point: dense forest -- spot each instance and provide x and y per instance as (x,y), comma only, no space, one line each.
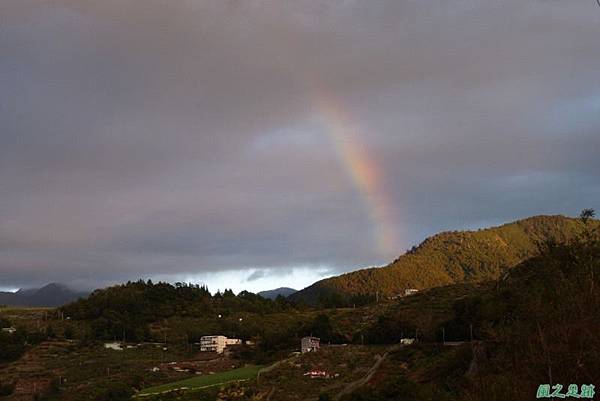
(126,311)
(540,324)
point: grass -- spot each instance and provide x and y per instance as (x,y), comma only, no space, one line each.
(245,373)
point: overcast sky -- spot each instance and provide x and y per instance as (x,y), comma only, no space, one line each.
(261,143)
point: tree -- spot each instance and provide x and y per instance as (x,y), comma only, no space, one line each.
(321,327)
(69,333)
(587,214)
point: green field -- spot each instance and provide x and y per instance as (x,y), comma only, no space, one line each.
(245,373)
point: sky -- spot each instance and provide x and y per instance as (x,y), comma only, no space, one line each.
(252,144)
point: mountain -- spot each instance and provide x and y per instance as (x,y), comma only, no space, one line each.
(451,257)
(53,294)
(272,294)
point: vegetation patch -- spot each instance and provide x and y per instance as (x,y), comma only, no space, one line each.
(196,383)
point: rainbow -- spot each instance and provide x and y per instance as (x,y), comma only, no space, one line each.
(364,172)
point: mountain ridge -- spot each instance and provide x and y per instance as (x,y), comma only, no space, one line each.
(50,295)
(273,294)
(451,257)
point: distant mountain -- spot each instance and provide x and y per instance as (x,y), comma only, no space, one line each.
(451,257)
(272,294)
(53,294)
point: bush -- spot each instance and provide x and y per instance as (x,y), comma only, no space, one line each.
(69,333)
(116,392)
(50,332)
(13,346)
(6,389)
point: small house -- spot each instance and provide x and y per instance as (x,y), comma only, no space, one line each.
(115,346)
(410,291)
(310,344)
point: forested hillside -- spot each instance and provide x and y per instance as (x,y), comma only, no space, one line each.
(537,324)
(126,311)
(448,258)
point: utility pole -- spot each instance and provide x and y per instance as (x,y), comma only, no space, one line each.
(471,330)
(443,336)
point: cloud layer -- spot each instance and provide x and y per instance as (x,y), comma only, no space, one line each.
(183,140)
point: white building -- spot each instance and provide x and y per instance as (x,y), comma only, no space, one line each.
(9,330)
(407,341)
(410,291)
(310,344)
(217,343)
(116,346)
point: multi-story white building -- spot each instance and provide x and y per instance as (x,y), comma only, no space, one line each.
(217,343)
(310,344)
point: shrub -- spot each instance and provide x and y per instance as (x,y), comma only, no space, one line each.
(116,392)
(6,389)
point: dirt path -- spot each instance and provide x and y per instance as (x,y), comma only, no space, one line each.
(478,357)
(364,380)
(274,365)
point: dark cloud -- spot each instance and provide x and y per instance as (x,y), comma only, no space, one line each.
(182,140)
(255,275)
